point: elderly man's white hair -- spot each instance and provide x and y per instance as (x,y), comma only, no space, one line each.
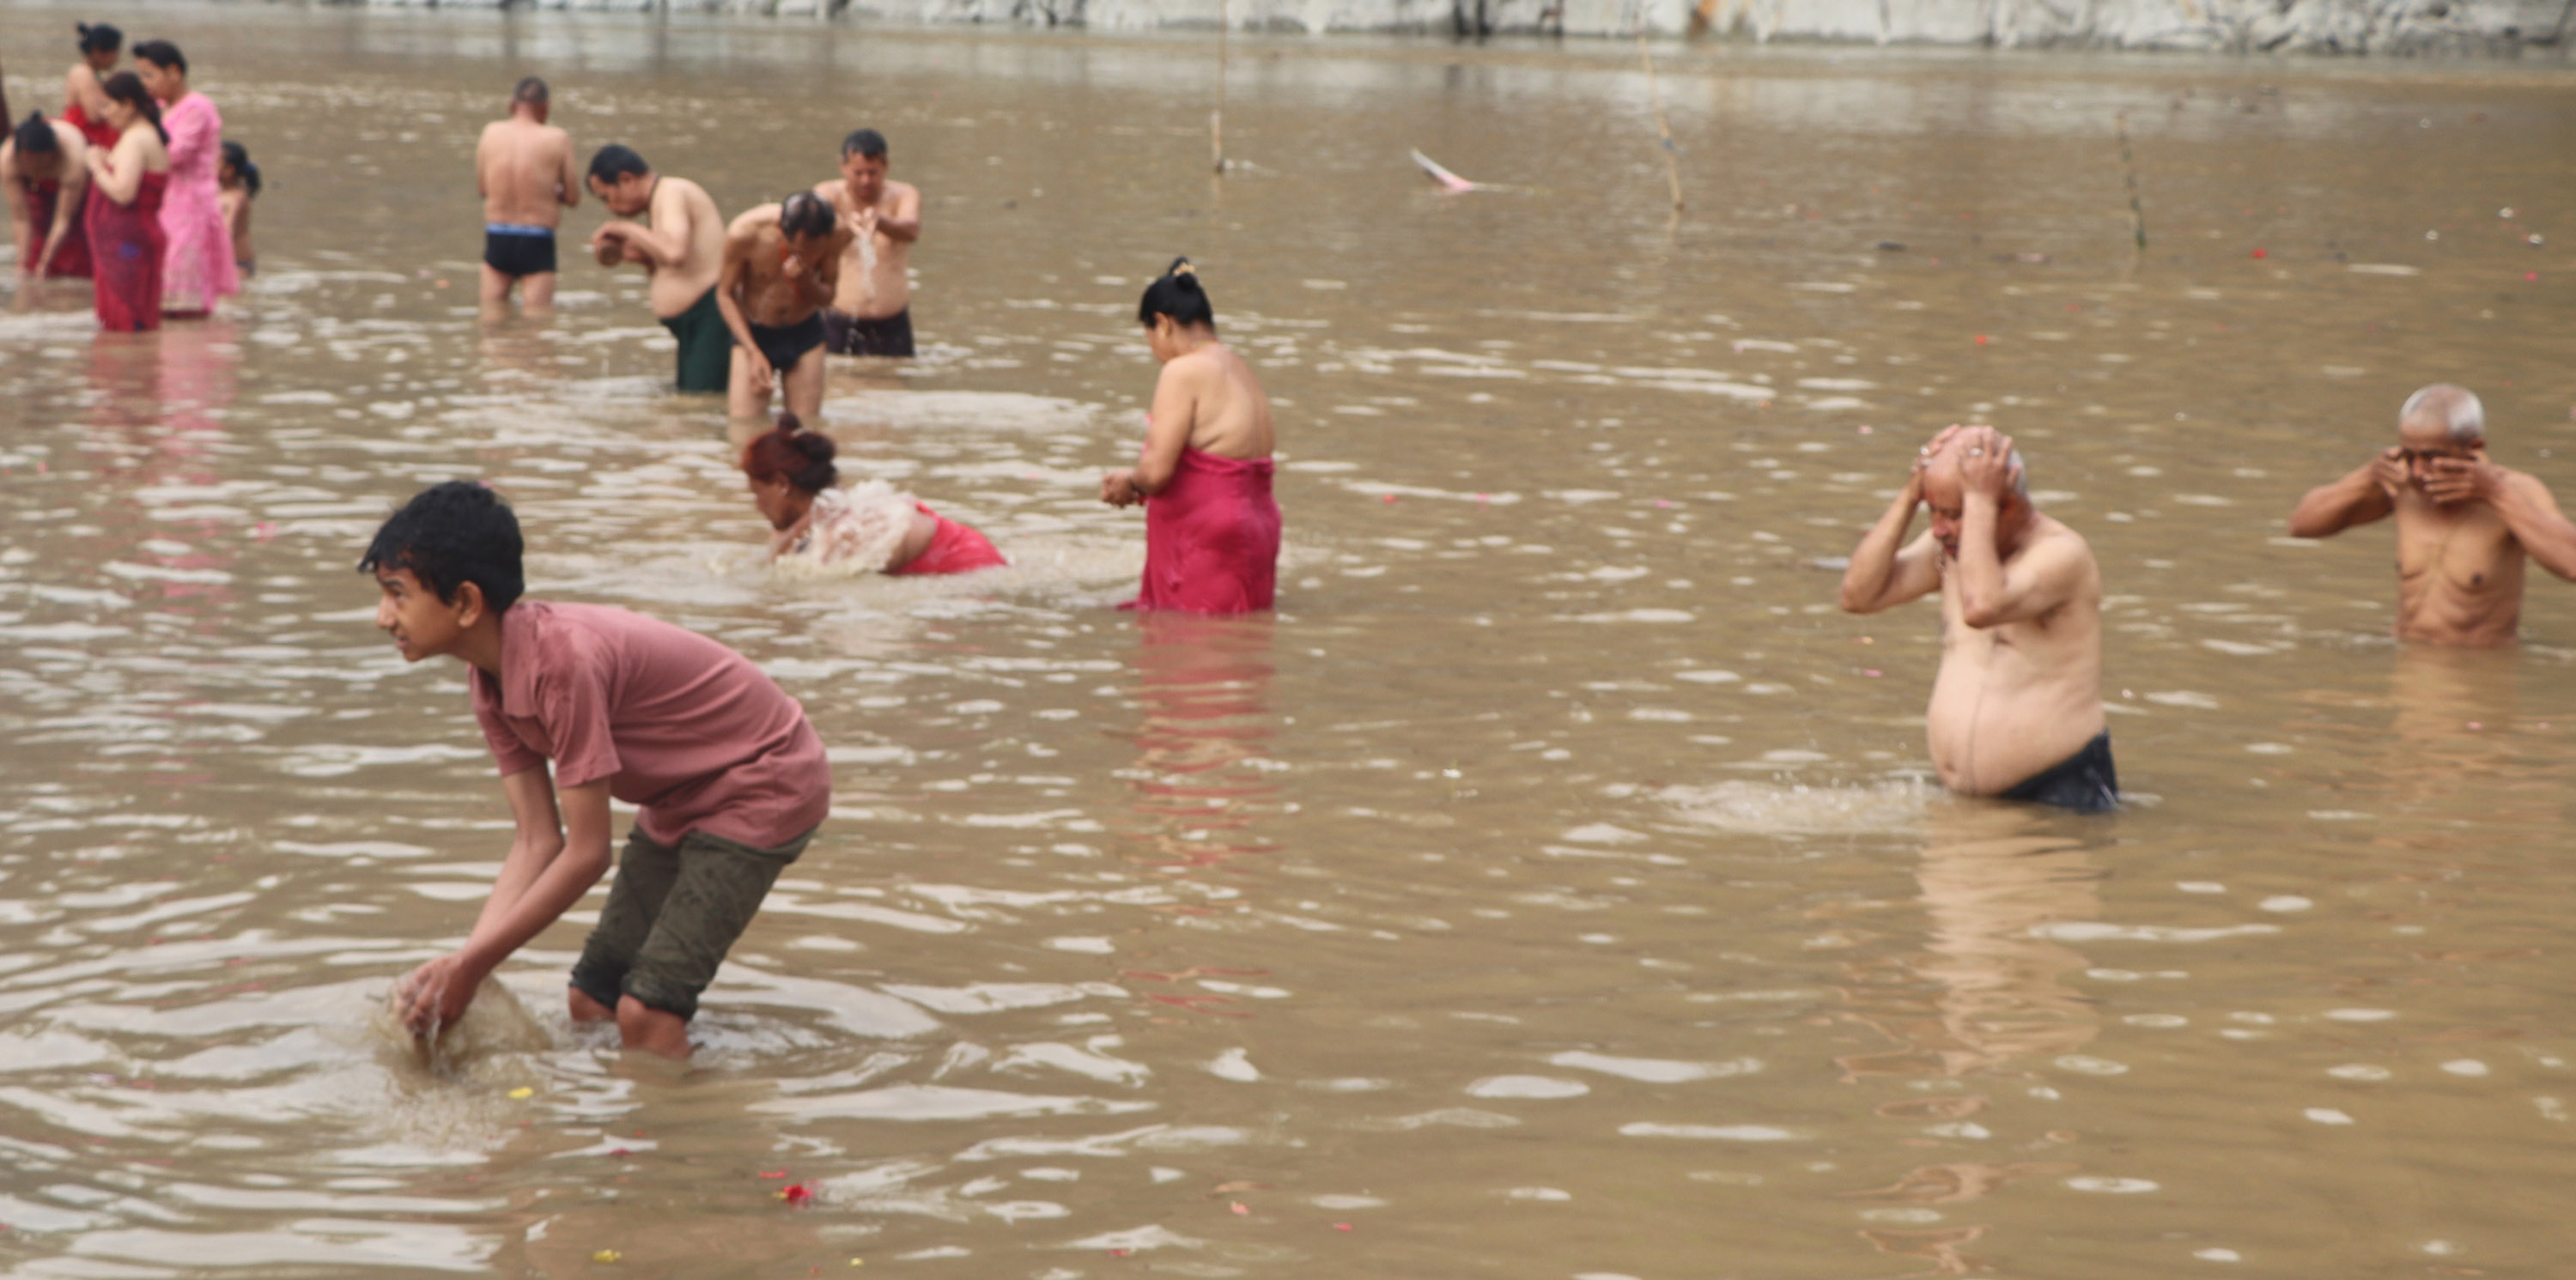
(2456,407)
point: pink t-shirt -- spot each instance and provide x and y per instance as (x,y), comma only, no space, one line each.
(678,724)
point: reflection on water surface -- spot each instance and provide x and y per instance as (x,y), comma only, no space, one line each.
(1551,887)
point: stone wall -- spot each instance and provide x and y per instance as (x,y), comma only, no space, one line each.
(2542,28)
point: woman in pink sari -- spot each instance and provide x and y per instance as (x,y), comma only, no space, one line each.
(1211,526)
(124,216)
(199,268)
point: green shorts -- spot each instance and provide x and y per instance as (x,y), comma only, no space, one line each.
(706,345)
(672,914)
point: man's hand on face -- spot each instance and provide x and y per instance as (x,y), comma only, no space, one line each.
(2389,470)
(1985,462)
(792,266)
(2449,480)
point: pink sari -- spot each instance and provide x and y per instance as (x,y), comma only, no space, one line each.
(199,267)
(1211,538)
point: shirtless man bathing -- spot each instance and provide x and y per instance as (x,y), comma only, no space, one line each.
(2464,524)
(523,169)
(782,262)
(682,251)
(2017,707)
(871,311)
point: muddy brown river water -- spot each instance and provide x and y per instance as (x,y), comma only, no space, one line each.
(1552,888)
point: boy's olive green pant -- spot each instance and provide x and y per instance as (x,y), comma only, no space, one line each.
(672,914)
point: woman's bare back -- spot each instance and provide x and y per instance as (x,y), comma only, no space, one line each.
(1229,412)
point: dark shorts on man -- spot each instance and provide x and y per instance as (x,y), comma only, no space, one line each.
(515,250)
(672,913)
(787,344)
(706,345)
(849,335)
(2085,782)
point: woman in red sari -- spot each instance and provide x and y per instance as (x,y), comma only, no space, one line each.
(44,172)
(84,95)
(1211,525)
(822,528)
(126,242)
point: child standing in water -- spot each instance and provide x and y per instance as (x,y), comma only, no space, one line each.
(1211,526)
(730,778)
(237,184)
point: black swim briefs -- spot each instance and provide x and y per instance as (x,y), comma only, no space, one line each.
(516,251)
(787,344)
(848,335)
(2085,782)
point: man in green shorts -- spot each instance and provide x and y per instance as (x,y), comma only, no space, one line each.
(730,778)
(682,250)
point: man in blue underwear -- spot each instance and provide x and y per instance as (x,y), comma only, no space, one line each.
(523,168)
(782,263)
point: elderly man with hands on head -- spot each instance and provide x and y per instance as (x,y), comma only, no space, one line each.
(2016,710)
(2464,524)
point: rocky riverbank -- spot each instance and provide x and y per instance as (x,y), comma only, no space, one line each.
(2537,28)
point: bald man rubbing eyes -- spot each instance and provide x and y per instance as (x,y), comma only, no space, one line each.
(2464,524)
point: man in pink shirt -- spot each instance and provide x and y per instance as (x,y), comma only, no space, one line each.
(730,777)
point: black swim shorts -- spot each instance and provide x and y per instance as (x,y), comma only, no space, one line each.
(848,335)
(787,344)
(518,251)
(2085,782)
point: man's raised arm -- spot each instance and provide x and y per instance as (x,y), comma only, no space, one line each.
(2368,493)
(904,223)
(665,244)
(2523,501)
(2040,579)
(1883,572)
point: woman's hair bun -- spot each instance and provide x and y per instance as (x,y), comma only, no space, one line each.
(1176,293)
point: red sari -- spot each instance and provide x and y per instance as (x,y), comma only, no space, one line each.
(126,246)
(99,132)
(44,204)
(1211,537)
(954,549)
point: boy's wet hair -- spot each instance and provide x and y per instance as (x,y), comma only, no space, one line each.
(616,160)
(34,135)
(162,54)
(238,156)
(98,37)
(805,214)
(1177,293)
(532,91)
(864,142)
(451,534)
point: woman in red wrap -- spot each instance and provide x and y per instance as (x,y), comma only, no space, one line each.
(84,86)
(44,172)
(870,527)
(126,242)
(1211,526)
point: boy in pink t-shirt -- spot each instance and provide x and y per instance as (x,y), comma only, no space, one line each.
(730,778)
